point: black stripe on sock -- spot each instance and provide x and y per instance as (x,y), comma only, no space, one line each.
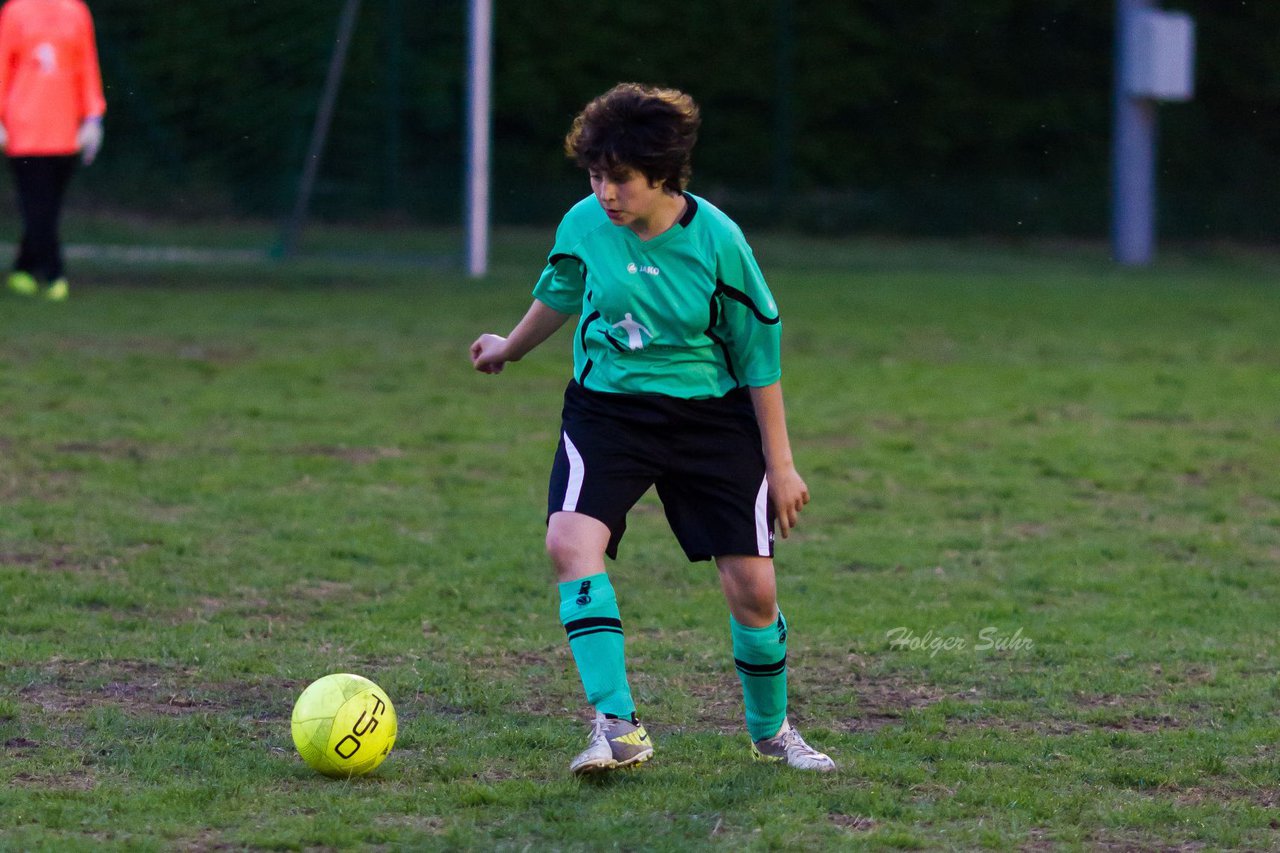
(592,622)
(596,631)
(761,669)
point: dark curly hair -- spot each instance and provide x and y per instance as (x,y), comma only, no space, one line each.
(633,127)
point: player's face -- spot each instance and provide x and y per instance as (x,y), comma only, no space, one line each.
(628,199)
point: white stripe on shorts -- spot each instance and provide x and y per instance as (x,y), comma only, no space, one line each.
(576,469)
(762,518)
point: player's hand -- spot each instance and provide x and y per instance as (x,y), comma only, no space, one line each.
(789,495)
(4,138)
(89,139)
(489,353)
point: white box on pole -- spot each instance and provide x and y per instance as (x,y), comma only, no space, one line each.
(1161,57)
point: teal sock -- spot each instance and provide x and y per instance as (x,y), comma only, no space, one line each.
(589,613)
(760,654)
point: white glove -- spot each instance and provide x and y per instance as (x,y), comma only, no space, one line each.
(89,139)
(4,138)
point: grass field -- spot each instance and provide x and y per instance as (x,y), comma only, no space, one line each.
(1033,603)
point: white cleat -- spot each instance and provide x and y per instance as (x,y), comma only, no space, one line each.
(614,744)
(788,746)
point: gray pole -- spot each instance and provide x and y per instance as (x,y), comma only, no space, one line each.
(1133,152)
(395,103)
(784,107)
(320,131)
(479,73)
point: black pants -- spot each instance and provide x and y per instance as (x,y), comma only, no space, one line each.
(42,184)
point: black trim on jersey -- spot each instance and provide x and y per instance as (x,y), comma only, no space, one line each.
(619,347)
(591,318)
(724,347)
(691,207)
(738,296)
(560,256)
(761,669)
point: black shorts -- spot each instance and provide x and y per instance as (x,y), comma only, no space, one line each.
(704,457)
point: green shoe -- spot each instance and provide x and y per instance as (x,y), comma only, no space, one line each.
(23,283)
(58,291)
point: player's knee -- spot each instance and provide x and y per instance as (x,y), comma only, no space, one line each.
(758,602)
(759,610)
(566,552)
(576,545)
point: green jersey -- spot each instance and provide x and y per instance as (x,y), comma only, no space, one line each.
(686,314)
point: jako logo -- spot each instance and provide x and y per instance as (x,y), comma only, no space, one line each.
(46,57)
(647,269)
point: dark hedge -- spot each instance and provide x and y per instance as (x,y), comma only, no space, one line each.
(932,116)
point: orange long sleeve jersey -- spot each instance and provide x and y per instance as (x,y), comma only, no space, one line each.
(49,77)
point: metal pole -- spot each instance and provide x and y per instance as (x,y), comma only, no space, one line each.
(479,75)
(784,106)
(320,131)
(1133,152)
(395,103)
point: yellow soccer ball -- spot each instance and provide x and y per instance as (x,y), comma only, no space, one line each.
(343,725)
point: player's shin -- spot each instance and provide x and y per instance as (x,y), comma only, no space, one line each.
(589,613)
(760,656)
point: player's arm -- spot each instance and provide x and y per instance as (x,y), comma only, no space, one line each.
(786,488)
(91,97)
(490,353)
(89,136)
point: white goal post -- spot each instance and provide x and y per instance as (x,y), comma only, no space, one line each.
(479,85)
(478,109)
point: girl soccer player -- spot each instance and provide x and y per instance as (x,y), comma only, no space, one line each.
(676,384)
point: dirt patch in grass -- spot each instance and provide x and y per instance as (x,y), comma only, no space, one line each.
(422,823)
(1036,841)
(883,701)
(214,354)
(74,780)
(1058,727)
(1258,795)
(63,559)
(1117,713)
(852,823)
(104,449)
(321,590)
(42,486)
(831,690)
(145,698)
(1145,722)
(867,701)
(354,455)
(141,688)
(825,690)
(200,842)
(1139,844)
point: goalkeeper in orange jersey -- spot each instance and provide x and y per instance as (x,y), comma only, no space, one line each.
(51,107)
